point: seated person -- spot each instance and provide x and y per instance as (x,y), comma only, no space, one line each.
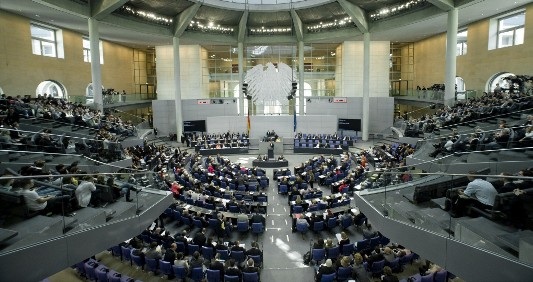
(479,193)
(41,204)
(326,268)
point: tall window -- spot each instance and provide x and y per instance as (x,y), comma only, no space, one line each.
(461,42)
(511,30)
(87,51)
(43,41)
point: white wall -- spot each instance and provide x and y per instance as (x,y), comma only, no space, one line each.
(164,116)
(349,72)
(193,69)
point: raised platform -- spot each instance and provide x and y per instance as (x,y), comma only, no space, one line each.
(270,163)
(334,151)
(224,151)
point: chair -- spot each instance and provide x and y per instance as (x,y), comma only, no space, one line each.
(318,226)
(263,183)
(101,274)
(90,270)
(166,268)
(125,278)
(347,249)
(258,260)
(126,254)
(212,275)
(138,261)
(198,223)
(440,276)
(328,277)
(180,247)
(332,223)
(197,274)
(207,253)
(238,256)
(224,254)
(374,241)
(115,277)
(262,199)
(228,278)
(395,265)
(302,228)
(318,255)
(151,265)
(252,188)
(213,223)
(377,268)
(242,226)
(283,189)
(333,252)
(257,228)
(116,251)
(180,272)
(406,259)
(362,245)
(250,277)
(344,274)
(193,248)
(297,209)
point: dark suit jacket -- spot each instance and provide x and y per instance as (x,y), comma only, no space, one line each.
(217,265)
(199,239)
(233,272)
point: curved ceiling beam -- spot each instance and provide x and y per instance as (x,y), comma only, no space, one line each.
(184,18)
(66,6)
(445,5)
(298,26)
(100,9)
(242,26)
(357,14)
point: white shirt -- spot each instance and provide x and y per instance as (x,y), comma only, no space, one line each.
(83,193)
(30,196)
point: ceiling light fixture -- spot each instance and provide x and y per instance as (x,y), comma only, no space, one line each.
(396,9)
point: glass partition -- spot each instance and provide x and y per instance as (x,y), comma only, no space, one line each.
(438,197)
(41,202)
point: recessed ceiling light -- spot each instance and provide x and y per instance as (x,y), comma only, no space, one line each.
(37,15)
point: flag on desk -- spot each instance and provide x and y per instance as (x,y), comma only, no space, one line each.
(248,123)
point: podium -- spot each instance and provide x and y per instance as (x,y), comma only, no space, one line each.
(270,153)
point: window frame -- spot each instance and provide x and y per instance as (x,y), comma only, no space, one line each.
(87,50)
(500,31)
(462,46)
(54,41)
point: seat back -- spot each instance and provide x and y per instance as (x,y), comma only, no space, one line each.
(212,275)
(197,274)
(151,264)
(126,253)
(333,252)
(224,254)
(318,226)
(179,271)
(440,276)
(250,277)
(332,222)
(238,256)
(344,273)
(193,248)
(377,267)
(328,277)
(348,249)
(257,227)
(318,255)
(165,267)
(242,226)
(101,274)
(207,252)
(258,261)
(228,278)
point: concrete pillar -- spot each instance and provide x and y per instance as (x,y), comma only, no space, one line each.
(96,69)
(177,85)
(301,81)
(366,86)
(451,53)
(240,46)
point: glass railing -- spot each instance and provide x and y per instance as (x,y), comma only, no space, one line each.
(114,99)
(50,204)
(434,95)
(435,196)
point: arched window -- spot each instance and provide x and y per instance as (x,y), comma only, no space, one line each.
(236,95)
(308,91)
(461,87)
(499,79)
(89,93)
(51,88)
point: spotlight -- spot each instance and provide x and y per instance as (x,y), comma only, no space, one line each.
(249,97)
(290,97)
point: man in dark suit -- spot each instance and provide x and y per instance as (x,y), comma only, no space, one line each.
(216,264)
(199,238)
(254,250)
(257,218)
(170,254)
(237,247)
(233,270)
(250,267)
